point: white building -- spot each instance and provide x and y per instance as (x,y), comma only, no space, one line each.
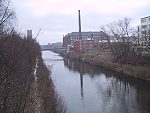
(144,30)
(145,24)
(144,36)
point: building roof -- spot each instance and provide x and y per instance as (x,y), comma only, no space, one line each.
(86,33)
(145,17)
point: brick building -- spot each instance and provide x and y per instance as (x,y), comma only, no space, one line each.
(66,41)
(96,36)
(82,45)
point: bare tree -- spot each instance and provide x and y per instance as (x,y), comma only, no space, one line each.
(123,35)
(18,91)
(121,30)
(7,17)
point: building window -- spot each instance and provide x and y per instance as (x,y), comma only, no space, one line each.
(148,32)
(143,32)
(144,26)
(143,20)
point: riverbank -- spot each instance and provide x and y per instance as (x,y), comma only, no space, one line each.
(104,58)
(21,90)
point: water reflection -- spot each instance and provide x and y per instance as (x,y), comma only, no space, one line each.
(115,93)
(81,81)
(78,66)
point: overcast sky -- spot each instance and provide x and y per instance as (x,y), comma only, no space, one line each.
(56,18)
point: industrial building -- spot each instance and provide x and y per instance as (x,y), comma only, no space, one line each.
(96,36)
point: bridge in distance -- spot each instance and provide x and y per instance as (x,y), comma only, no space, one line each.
(52,48)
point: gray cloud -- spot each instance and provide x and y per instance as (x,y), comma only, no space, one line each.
(55,25)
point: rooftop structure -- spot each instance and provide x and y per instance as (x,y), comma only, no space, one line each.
(29,33)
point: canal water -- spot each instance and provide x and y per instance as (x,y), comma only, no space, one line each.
(90,89)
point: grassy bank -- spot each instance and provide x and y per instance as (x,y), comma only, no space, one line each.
(104,58)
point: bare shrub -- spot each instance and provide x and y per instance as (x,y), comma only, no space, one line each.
(18,92)
(123,35)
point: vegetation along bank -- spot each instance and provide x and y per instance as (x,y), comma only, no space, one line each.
(133,65)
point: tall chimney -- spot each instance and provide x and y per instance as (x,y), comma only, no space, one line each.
(80,35)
